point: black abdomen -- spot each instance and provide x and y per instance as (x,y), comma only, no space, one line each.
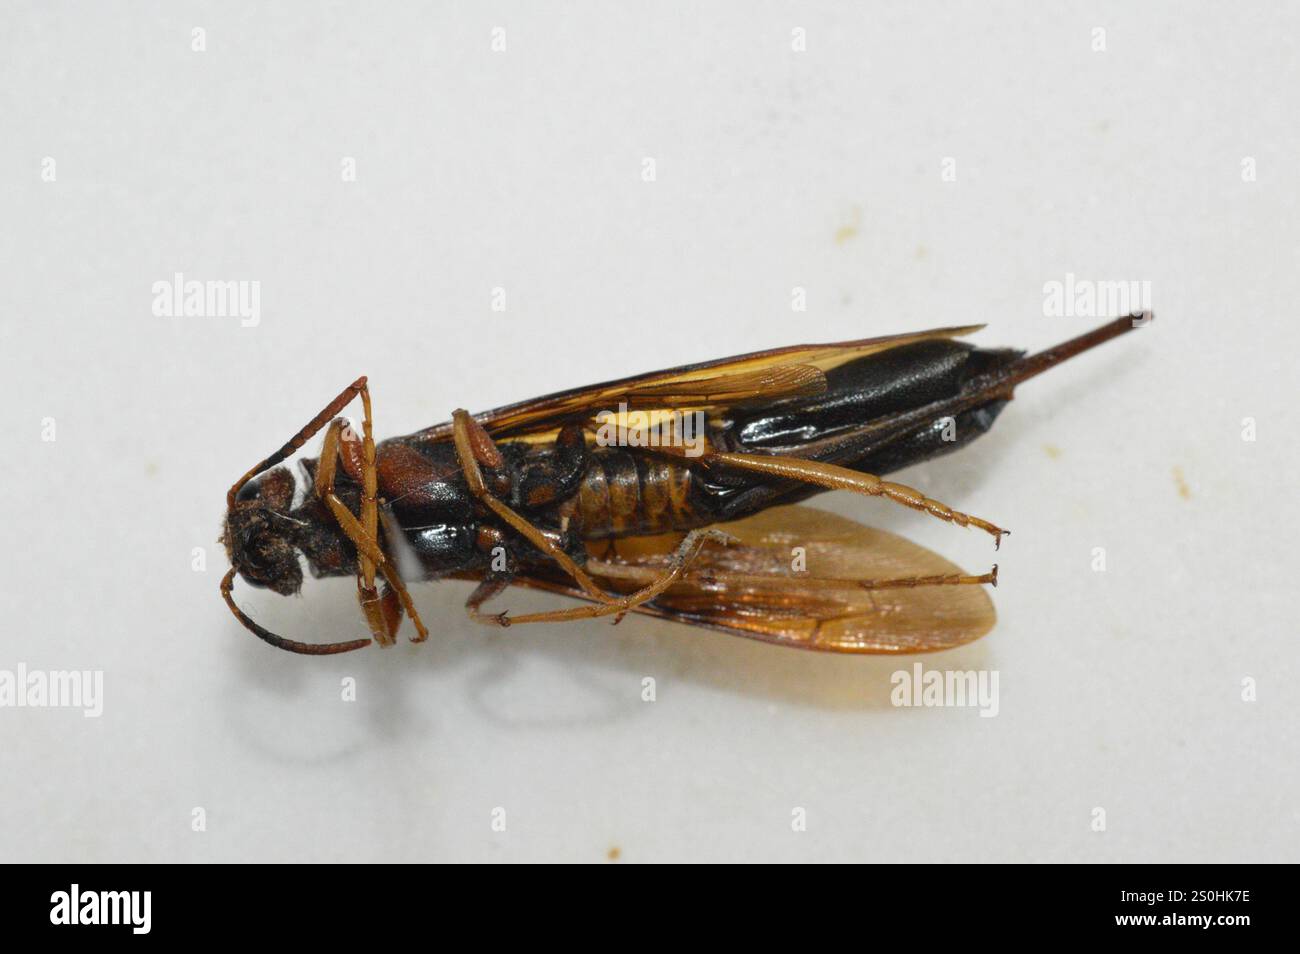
(879,413)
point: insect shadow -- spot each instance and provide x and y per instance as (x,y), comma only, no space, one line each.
(588,673)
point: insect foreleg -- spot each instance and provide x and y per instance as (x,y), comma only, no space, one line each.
(366,591)
(382,620)
(327,466)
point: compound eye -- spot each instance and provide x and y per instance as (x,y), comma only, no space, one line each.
(274,488)
(252,581)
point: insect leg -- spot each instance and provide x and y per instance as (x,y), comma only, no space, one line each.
(486,590)
(834,477)
(366,591)
(367,549)
(390,604)
(678,564)
(304,435)
(367,545)
(474,446)
(332,449)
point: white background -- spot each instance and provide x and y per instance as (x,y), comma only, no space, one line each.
(775,169)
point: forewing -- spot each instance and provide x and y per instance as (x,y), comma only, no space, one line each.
(761,375)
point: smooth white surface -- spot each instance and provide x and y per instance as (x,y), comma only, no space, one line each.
(522,169)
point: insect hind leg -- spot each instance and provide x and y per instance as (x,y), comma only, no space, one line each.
(686,553)
(835,477)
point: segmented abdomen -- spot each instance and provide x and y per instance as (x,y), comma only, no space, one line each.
(628,494)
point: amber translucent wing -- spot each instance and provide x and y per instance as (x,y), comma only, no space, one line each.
(769,383)
(765,375)
(753,588)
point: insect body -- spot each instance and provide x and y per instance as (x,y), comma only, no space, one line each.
(687,513)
